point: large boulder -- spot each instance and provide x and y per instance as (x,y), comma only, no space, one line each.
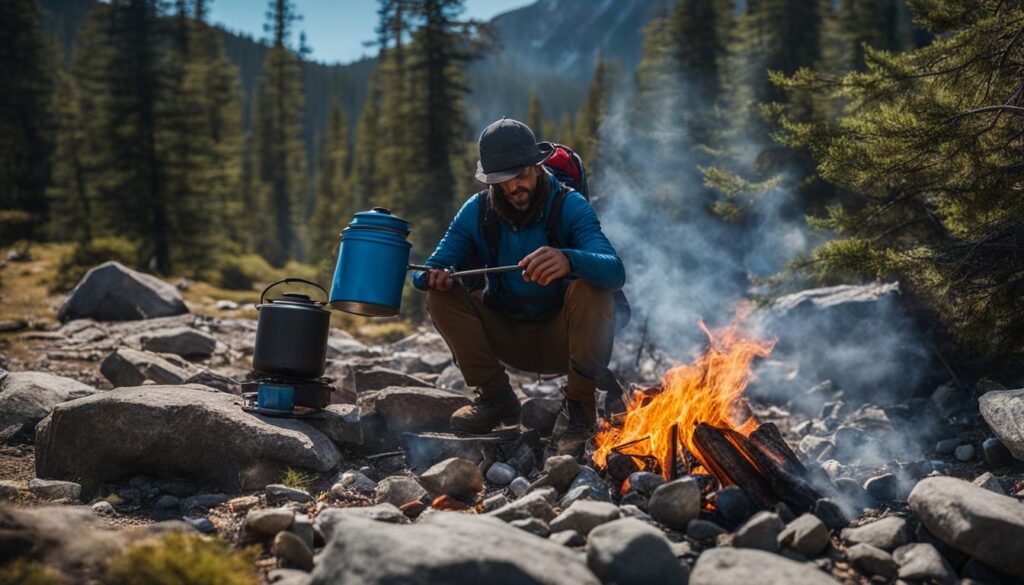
(192,430)
(131,367)
(27,397)
(859,336)
(446,547)
(1004,412)
(728,566)
(628,550)
(184,341)
(113,292)
(987,526)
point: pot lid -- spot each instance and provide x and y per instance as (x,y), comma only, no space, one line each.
(294,291)
(379,218)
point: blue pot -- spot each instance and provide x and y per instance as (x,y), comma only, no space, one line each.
(372,264)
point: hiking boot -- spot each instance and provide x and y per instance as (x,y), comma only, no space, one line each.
(575,425)
(490,409)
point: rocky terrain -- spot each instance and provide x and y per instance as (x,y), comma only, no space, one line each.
(123,424)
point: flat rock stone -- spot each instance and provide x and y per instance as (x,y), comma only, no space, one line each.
(327,521)
(989,482)
(368,380)
(806,535)
(197,432)
(268,522)
(184,341)
(532,505)
(279,494)
(886,534)
(398,490)
(445,547)
(1003,410)
(987,526)
(203,501)
(113,292)
(130,367)
(27,397)
(401,409)
(628,551)
(533,526)
(760,532)
(919,561)
(340,423)
(49,489)
(454,477)
(872,560)
(729,566)
(494,502)
(584,515)
(207,377)
(675,503)
(569,538)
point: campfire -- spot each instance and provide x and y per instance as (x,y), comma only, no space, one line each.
(696,421)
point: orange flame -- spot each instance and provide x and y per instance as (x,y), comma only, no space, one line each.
(706,391)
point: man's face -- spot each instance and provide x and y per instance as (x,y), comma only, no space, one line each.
(518,191)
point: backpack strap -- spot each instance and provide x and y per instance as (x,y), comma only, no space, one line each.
(490,228)
(555,216)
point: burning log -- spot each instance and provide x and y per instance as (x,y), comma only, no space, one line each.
(727,463)
(768,439)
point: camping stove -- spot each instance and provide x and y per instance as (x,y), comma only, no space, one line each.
(287,397)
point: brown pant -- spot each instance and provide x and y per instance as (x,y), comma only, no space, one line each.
(577,341)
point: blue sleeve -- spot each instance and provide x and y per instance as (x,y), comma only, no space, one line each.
(457,246)
(591,255)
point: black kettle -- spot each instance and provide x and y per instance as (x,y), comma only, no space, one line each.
(291,335)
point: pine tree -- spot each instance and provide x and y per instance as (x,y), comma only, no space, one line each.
(693,25)
(535,115)
(281,154)
(71,192)
(333,204)
(592,114)
(365,176)
(27,63)
(870,23)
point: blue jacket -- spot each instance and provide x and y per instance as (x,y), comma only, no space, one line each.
(591,255)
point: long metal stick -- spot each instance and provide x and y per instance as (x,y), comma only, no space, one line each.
(474,272)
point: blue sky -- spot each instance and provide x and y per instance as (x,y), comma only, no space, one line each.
(335,29)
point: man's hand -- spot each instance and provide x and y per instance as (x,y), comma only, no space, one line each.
(545,265)
(440,279)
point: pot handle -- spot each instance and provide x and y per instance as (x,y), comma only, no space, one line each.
(287,280)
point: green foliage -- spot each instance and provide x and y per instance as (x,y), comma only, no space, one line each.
(182,559)
(15,224)
(25,572)
(298,479)
(242,271)
(82,257)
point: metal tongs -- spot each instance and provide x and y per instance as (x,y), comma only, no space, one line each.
(474,272)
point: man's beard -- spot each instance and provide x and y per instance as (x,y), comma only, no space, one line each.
(516,216)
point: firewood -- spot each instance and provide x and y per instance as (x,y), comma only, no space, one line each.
(793,489)
(730,466)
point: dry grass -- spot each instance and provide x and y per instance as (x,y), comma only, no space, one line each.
(183,559)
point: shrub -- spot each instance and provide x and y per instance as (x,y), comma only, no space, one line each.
(182,559)
(25,572)
(73,266)
(294,478)
(15,225)
(243,271)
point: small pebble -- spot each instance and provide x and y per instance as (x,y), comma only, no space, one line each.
(501,473)
(104,508)
(964,452)
(519,486)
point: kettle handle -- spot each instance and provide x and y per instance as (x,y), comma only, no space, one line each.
(287,280)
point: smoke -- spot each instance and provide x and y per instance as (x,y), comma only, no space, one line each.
(684,263)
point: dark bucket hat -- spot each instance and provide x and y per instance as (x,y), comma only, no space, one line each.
(507,147)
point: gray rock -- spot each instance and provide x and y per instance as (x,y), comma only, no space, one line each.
(203,501)
(631,511)
(287,577)
(445,547)
(580,492)
(327,521)
(627,551)
(267,522)
(353,480)
(495,502)
(27,397)
(455,477)
(588,477)
(532,505)
(735,506)
(883,487)
(987,526)
(872,560)
(989,482)
(812,446)
(523,460)
(644,482)
(964,452)
(760,532)
(947,446)
(886,534)
(519,486)
(200,524)
(225,305)
(398,490)
(830,513)
(48,489)
(293,551)
(340,423)
(451,379)
(104,508)
(807,535)
(368,380)
(278,494)
(184,341)
(569,538)
(533,526)
(406,409)
(539,413)
(501,473)
(202,434)
(922,561)
(704,530)
(996,453)
(9,490)
(584,515)
(113,292)
(207,377)
(1003,410)
(729,566)
(559,471)
(675,503)
(130,367)
(167,502)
